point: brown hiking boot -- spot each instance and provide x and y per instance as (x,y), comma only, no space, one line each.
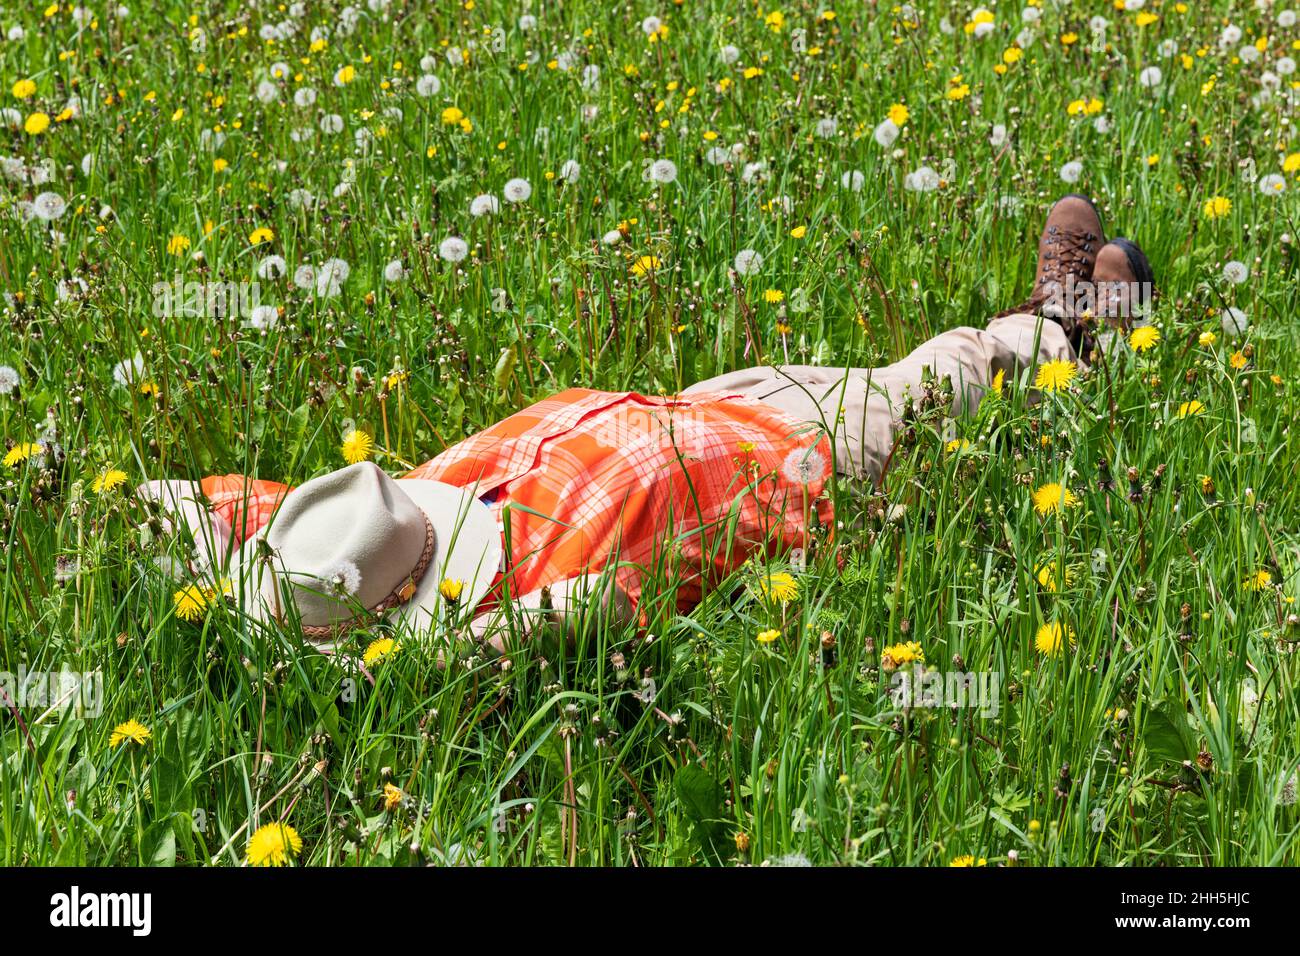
(1068,248)
(1123,283)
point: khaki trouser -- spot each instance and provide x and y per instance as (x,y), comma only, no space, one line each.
(872,399)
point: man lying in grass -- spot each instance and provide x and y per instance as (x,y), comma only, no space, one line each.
(580,495)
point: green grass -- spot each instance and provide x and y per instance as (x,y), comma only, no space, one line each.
(745,752)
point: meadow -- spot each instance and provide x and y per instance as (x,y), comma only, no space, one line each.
(266,237)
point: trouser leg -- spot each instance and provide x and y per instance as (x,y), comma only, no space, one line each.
(860,407)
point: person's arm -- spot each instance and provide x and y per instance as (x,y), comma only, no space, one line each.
(567,609)
(182,505)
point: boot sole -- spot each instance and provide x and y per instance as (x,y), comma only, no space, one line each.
(1139,263)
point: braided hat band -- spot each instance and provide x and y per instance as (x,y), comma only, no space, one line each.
(399,595)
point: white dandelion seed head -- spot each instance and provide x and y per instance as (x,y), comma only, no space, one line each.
(342,578)
(803,466)
(1101,125)
(453,249)
(128,370)
(570,171)
(662,171)
(1031,14)
(717,156)
(267,92)
(826,127)
(1098,24)
(1286,19)
(1234,322)
(304,277)
(9,379)
(651,25)
(272,267)
(729,54)
(1274,184)
(755,172)
(49,206)
(1236,272)
(484,204)
(1168,48)
(612,238)
(1151,77)
(982,30)
(590,76)
(748,262)
(263,317)
(1231,35)
(886,134)
(1071,171)
(304,97)
(428,85)
(1285,66)
(923,180)
(517,190)
(998,136)
(853,180)
(394,271)
(527,23)
(331,123)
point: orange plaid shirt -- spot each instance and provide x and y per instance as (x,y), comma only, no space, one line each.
(690,486)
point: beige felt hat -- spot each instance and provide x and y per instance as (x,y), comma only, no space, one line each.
(345,548)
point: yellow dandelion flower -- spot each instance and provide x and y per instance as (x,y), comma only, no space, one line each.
(451,116)
(274,844)
(899,114)
(798,232)
(107,480)
(379,649)
(1053,574)
(259,236)
(645,265)
(779,586)
(1216,207)
(957,444)
(1238,360)
(191,602)
(1194,407)
(36,124)
(392,796)
(1052,638)
(132,731)
(768,636)
(1055,375)
(450,589)
(773,296)
(968,860)
(1206,339)
(177,245)
(1260,580)
(357,446)
(1053,497)
(21,452)
(895,656)
(1143,338)
(25,88)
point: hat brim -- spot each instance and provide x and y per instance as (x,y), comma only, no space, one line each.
(467,548)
